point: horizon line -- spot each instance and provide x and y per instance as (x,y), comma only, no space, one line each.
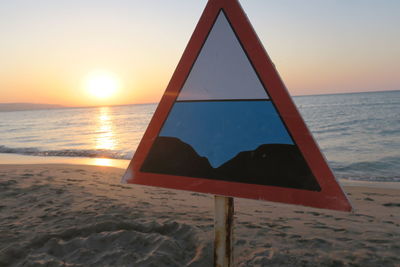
(60,106)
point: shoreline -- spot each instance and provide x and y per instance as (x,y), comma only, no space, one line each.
(373,184)
(17,159)
(94,164)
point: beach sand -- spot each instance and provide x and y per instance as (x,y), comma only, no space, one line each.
(75,215)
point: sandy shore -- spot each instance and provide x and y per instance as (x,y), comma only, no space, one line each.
(71,215)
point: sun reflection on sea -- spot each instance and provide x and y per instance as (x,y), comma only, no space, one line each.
(103,162)
(105,138)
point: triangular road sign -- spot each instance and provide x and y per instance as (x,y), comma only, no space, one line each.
(226,124)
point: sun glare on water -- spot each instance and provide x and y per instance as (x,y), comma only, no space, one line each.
(102,84)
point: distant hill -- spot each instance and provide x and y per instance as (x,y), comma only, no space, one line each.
(26,106)
(170,155)
(270,164)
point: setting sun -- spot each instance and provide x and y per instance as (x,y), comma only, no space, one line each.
(101,84)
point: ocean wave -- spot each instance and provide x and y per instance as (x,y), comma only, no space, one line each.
(86,153)
(384,170)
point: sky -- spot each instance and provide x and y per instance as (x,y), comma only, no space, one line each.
(48,49)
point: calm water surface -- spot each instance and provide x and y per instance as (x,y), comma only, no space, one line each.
(358,133)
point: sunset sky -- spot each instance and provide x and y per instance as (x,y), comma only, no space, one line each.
(51,50)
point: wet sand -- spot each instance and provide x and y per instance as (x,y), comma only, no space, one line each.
(76,215)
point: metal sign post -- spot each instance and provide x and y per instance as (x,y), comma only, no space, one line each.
(223,227)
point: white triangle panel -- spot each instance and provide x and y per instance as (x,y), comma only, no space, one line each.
(222,70)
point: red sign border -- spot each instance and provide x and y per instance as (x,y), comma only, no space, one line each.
(331,195)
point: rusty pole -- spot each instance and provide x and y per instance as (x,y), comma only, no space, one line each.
(223,227)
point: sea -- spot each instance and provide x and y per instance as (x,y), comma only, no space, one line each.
(359,133)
